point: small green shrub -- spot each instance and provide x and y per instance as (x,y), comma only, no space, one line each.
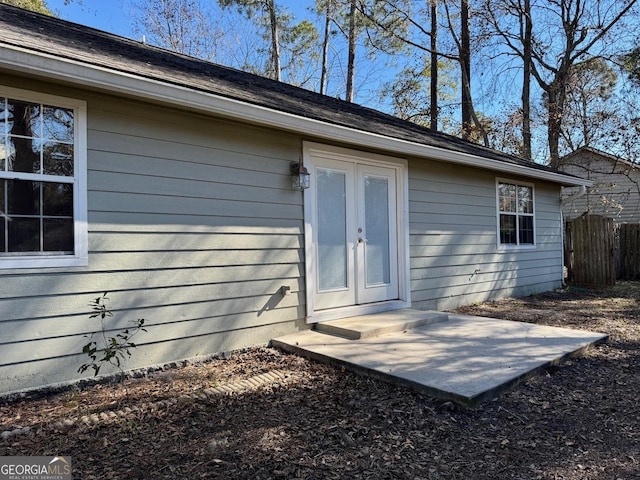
(103,349)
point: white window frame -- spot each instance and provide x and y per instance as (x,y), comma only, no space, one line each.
(518,245)
(80,255)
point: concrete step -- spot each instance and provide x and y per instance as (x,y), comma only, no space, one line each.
(374,325)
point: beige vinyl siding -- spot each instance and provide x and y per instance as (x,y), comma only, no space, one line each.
(455,257)
(615,192)
(192,226)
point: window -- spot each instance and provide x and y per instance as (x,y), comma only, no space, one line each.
(515,214)
(42,180)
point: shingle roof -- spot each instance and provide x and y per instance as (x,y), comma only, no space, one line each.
(49,35)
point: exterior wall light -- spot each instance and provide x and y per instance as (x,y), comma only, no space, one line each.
(299,176)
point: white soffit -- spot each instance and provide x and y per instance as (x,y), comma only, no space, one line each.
(87,75)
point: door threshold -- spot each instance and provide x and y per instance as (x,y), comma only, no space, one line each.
(357,310)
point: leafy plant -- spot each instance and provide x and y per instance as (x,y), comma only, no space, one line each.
(103,349)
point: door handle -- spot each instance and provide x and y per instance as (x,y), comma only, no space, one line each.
(362,240)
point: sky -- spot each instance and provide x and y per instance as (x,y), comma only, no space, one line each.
(116,16)
(113,16)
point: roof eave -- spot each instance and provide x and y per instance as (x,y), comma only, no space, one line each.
(62,69)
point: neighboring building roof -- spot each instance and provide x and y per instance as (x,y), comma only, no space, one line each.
(64,51)
(602,154)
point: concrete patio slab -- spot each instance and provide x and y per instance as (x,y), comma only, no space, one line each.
(465,359)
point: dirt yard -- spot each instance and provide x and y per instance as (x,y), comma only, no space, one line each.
(295,419)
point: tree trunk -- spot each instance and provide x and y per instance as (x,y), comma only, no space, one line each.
(325,45)
(275,43)
(433,110)
(526,82)
(555,109)
(352,51)
(465,67)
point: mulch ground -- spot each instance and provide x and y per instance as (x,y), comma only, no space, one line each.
(580,420)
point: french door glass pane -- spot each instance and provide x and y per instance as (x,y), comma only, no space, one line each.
(332,230)
(376,198)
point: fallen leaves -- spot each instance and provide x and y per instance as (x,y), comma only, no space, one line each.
(579,422)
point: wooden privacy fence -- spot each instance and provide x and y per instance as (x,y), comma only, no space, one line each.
(597,252)
(590,250)
(629,252)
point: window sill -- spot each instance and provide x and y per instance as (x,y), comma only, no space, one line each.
(511,248)
(17,263)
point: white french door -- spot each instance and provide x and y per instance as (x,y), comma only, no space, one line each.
(377,247)
(355,233)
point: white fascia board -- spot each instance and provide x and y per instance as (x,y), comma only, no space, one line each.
(86,75)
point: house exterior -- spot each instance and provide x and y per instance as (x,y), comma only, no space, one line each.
(615,192)
(166,181)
